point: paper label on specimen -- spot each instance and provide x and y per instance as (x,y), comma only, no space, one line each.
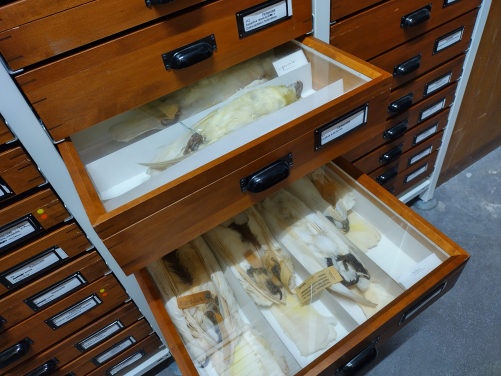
(316,283)
(416,173)
(15,233)
(192,300)
(449,40)
(35,266)
(290,62)
(100,335)
(265,16)
(425,134)
(344,126)
(438,83)
(76,311)
(420,155)
(418,271)
(58,291)
(431,110)
(126,362)
(118,348)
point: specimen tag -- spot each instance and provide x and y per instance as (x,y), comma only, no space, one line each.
(412,275)
(252,259)
(317,282)
(192,300)
(290,62)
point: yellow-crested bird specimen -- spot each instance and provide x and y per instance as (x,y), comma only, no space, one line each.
(212,331)
(232,116)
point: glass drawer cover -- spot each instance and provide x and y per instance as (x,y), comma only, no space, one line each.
(142,149)
(251,271)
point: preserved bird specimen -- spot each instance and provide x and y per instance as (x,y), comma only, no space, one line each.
(212,330)
(337,202)
(194,98)
(314,242)
(234,115)
(265,271)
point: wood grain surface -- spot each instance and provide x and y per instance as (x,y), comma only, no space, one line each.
(5,133)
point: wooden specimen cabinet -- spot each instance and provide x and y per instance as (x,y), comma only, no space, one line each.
(175,119)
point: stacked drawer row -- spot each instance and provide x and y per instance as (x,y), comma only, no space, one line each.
(61,311)
(423,44)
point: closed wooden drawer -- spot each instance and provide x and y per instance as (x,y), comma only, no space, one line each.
(425,110)
(398,146)
(429,50)
(412,92)
(343,8)
(108,350)
(411,176)
(17,173)
(84,340)
(130,358)
(342,91)
(61,319)
(387,173)
(30,38)
(45,291)
(22,220)
(68,94)
(5,133)
(400,237)
(43,254)
(393,23)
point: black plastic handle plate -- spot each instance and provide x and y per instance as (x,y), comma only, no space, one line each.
(190,54)
(401,104)
(396,131)
(416,17)
(407,66)
(45,369)
(359,362)
(15,352)
(268,176)
(392,154)
(149,3)
(388,175)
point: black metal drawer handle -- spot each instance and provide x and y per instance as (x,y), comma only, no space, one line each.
(407,315)
(15,352)
(407,66)
(190,54)
(396,131)
(416,17)
(149,3)
(268,176)
(388,175)
(359,361)
(401,104)
(45,369)
(392,154)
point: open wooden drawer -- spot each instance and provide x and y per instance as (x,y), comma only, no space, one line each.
(162,160)
(384,252)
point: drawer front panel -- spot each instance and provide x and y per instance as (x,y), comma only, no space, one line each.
(46,291)
(411,176)
(411,118)
(379,29)
(424,47)
(108,350)
(216,202)
(68,94)
(26,218)
(40,256)
(342,8)
(67,316)
(428,84)
(130,358)
(412,138)
(84,340)
(5,133)
(11,158)
(32,42)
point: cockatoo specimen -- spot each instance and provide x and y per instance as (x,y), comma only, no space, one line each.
(230,117)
